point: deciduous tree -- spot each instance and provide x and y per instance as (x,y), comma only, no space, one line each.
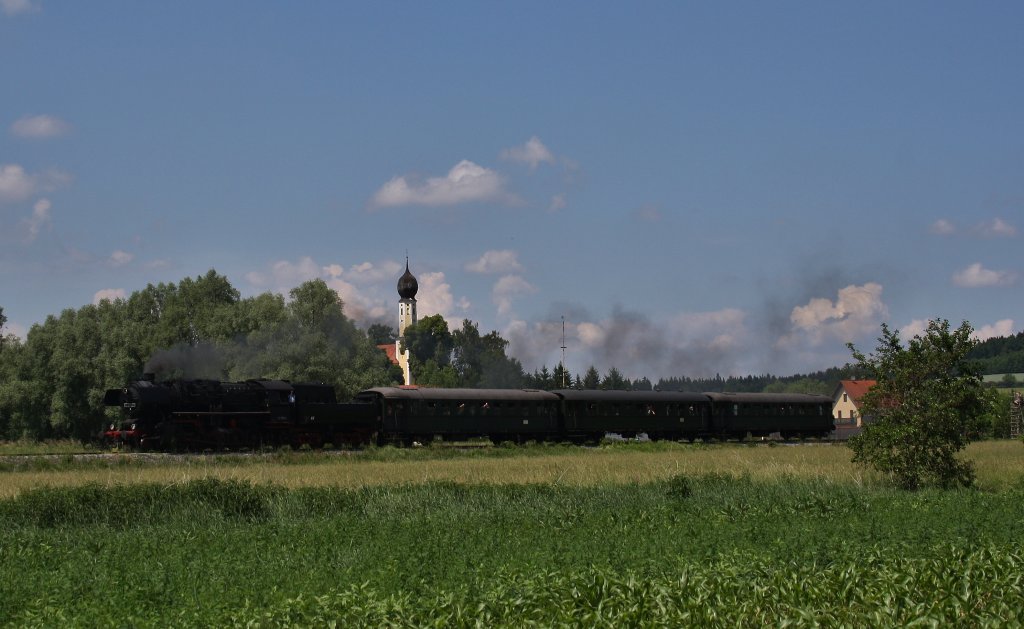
(922,410)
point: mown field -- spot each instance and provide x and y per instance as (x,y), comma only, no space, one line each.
(628,535)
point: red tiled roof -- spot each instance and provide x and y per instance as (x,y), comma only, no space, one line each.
(855,389)
(391,351)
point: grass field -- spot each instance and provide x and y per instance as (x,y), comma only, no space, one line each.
(628,535)
(999,464)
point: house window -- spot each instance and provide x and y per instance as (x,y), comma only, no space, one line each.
(846,398)
(839,414)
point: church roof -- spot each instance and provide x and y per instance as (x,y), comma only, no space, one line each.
(391,350)
(407,284)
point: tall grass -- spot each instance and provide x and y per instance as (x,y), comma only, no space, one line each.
(1000,464)
(688,550)
(58,447)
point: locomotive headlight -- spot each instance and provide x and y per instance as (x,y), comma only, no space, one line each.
(111,426)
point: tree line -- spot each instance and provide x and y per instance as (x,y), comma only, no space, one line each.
(52,384)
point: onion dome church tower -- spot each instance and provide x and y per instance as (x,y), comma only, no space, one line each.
(407,287)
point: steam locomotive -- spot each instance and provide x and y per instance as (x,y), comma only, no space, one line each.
(206,414)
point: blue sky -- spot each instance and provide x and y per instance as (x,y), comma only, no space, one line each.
(697,188)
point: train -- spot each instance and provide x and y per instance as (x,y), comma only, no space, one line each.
(208,414)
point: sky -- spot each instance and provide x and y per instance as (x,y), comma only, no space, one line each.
(692,187)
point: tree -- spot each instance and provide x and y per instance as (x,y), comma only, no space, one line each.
(428,340)
(314,303)
(480,361)
(615,381)
(592,379)
(380,334)
(642,384)
(561,377)
(921,412)
(803,385)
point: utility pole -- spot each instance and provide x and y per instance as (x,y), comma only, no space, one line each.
(564,385)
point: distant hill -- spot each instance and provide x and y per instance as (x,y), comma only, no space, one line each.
(1001,355)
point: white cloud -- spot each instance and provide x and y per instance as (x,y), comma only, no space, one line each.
(39,127)
(1003,327)
(506,289)
(466,182)
(977,276)
(496,261)
(121,258)
(16,184)
(533,153)
(368,290)
(285,275)
(942,227)
(359,306)
(558,202)
(917,327)
(995,228)
(368,273)
(39,218)
(16,7)
(856,311)
(435,297)
(110,294)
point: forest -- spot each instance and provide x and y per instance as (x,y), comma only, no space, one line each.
(52,383)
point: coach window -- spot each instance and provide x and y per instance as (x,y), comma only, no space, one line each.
(735,410)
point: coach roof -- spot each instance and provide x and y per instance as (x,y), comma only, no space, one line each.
(771,398)
(427,393)
(591,395)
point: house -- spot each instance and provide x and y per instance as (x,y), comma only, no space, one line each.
(846,403)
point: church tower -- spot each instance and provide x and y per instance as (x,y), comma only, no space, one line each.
(407,287)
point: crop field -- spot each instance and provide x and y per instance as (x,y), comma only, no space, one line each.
(629,534)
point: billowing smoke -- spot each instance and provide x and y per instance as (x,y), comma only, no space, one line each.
(803,325)
(696,344)
(189,362)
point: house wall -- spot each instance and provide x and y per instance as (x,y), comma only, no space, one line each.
(844,411)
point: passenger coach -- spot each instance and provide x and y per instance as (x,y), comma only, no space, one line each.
(420,414)
(761,414)
(589,415)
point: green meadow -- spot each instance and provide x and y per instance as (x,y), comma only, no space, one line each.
(623,535)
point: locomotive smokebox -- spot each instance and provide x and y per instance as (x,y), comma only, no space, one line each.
(149,377)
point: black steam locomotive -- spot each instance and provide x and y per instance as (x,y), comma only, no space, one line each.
(204,414)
